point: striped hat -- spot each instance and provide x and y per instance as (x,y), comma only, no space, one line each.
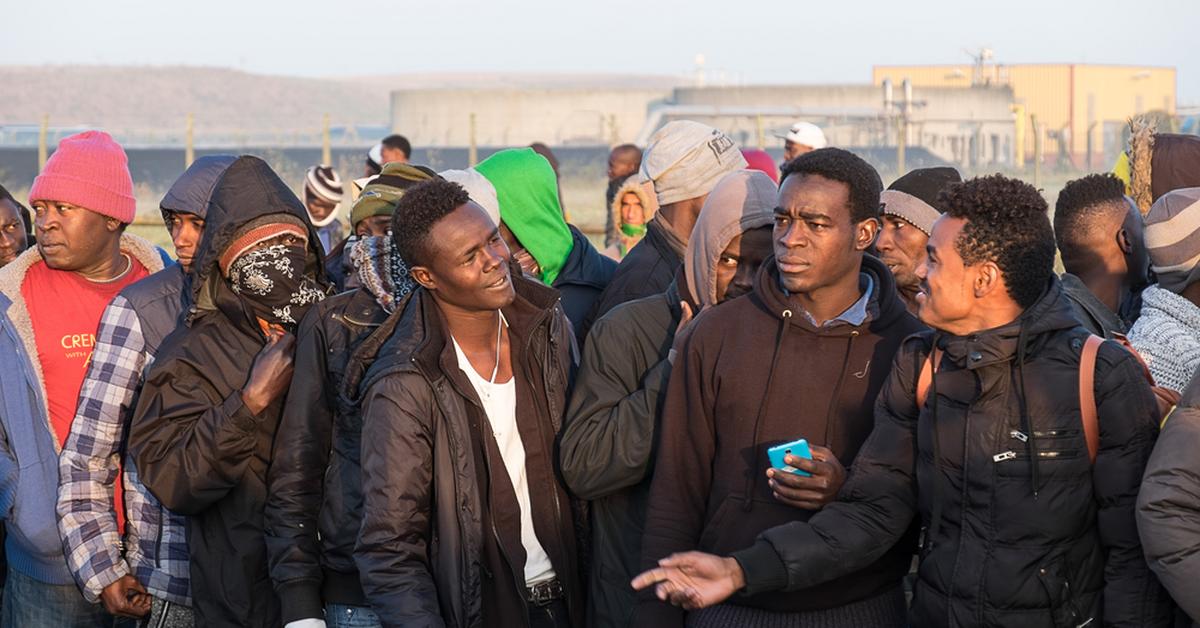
(324,183)
(1173,238)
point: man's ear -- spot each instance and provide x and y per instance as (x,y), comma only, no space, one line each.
(112,224)
(1124,242)
(865,233)
(987,279)
(422,276)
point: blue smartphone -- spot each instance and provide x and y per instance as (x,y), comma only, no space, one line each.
(798,448)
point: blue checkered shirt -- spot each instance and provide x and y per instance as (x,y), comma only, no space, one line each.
(155,545)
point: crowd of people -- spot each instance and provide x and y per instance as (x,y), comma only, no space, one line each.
(453,409)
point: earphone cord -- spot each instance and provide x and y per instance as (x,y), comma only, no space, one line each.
(496,369)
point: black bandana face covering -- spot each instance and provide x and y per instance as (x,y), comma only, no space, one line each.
(272,281)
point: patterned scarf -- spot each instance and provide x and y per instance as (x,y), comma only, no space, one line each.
(381,270)
(273,283)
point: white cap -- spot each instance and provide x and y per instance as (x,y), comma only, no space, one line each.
(376,153)
(805,134)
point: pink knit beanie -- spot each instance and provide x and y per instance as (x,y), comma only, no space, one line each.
(89,170)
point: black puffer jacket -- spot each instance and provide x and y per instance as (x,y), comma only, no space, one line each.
(646,271)
(198,449)
(314,508)
(1011,540)
(421,548)
(1168,509)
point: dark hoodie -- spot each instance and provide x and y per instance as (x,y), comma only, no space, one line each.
(197,447)
(751,369)
(314,508)
(1011,539)
(158,299)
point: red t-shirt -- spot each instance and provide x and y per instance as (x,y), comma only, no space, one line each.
(65,309)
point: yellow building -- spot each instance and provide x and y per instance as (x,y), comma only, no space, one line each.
(1071,101)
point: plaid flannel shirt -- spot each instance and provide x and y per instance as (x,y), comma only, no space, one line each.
(155,548)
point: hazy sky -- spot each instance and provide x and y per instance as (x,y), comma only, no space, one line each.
(772,41)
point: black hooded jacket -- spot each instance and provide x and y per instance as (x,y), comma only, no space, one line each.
(646,271)
(1020,528)
(582,279)
(197,447)
(315,504)
(157,299)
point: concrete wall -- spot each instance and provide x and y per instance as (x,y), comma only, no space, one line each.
(967,127)
(511,117)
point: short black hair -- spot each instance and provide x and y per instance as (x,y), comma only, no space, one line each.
(1081,206)
(845,167)
(400,143)
(22,210)
(421,207)
(1007,224)
(630,150)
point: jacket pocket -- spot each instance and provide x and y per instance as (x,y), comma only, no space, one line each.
(1061,597)
(712,530)
(34,521)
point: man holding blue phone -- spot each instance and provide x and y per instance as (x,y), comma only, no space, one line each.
(1022,466)
(802,356)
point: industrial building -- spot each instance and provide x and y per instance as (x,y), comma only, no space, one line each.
(569,116)
(1081,109)
(968,127)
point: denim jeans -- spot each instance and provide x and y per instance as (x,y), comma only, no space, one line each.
(343,616)
(28,602)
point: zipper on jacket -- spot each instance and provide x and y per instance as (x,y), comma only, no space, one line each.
(1061,454)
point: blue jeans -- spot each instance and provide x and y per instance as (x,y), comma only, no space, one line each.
(28,602)
(343,616)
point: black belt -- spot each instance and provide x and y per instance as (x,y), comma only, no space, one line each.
(544,593)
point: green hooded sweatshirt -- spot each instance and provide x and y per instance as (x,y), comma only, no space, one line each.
(528,194)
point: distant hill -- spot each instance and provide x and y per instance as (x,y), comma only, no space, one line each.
(150,104)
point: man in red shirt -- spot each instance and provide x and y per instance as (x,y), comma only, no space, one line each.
(51,299)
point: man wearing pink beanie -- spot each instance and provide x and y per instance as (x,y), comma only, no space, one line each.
(51,299)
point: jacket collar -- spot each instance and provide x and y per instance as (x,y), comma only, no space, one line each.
(1050,312)
(884,304)
(12,277)
(414,337)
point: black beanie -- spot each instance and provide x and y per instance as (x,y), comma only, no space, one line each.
(914,196)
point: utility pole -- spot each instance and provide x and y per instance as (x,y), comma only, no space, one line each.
(326,149)
(42,152)
(189,150)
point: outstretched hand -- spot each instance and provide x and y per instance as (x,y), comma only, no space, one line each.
(693,580)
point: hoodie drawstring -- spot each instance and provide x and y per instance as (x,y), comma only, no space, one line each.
(1026,421)
(752,477)
(837,389)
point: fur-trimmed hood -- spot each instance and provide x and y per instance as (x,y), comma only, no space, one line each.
(649,202)
(12,304)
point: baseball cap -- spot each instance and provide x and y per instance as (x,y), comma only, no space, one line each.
(805,133)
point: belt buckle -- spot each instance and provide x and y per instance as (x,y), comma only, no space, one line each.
(544,593)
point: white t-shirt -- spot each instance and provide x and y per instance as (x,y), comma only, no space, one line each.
(500,404)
